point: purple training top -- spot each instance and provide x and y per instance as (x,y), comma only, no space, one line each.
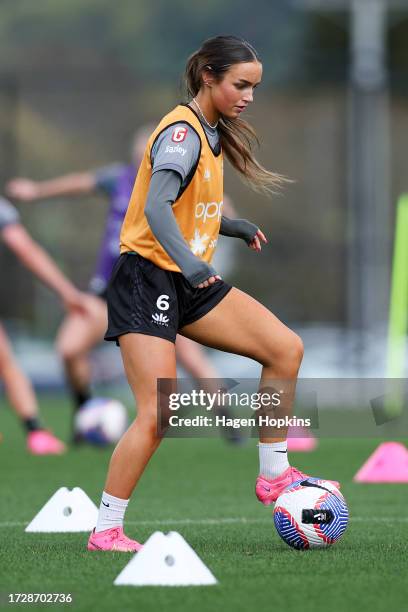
(117,182)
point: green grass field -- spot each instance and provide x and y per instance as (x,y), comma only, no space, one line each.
(204,490)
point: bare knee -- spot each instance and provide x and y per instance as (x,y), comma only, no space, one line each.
(285,357)
(149,422)
(295,352)
(155,414)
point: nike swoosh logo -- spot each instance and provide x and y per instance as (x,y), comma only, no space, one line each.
(107,505)
(307,483)
(266,488)
(281,452)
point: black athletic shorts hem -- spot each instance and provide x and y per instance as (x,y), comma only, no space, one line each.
(209,306)
(114,336)
(143,298)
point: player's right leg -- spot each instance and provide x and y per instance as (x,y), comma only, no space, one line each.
(145,358)
(22,398)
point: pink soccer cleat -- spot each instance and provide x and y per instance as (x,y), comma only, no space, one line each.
(112,539)
(268,491)
(43,442)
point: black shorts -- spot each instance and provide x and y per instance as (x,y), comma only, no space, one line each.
(143,298)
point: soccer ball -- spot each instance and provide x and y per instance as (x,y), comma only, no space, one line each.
(101,421)
(310,513)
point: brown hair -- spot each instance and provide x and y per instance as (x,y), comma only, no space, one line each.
(237,136)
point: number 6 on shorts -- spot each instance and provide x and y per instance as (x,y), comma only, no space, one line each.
(163,302)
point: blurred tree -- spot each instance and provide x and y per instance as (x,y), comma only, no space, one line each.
(149,38)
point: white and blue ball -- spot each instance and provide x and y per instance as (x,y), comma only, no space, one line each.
(101,421)
(311,513)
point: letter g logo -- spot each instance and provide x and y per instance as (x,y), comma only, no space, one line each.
(179,134)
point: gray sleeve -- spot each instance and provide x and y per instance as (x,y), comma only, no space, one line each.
(176,148)
(8,214)
(163,190)
(238,228)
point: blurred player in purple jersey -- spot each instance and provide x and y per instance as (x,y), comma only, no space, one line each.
(78,335)
(18,388)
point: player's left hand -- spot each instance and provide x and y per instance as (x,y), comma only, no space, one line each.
(209,281)
(255,243)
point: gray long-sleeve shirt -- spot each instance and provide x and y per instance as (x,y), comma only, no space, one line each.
(163,190)
(171,166)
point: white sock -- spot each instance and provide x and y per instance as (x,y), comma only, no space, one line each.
(273,459)
(111,512)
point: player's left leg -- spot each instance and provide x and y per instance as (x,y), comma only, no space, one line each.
(241,325)
(22,399)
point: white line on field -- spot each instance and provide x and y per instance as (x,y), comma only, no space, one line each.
(244,520)
(231,521)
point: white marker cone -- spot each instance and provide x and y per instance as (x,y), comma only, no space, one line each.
(166,560)
(66,511)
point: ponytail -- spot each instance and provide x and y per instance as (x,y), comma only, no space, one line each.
(237,140)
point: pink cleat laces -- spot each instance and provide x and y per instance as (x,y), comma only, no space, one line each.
(43,442)
(112,539)
(268,491)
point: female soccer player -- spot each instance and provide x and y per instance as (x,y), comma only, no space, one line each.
(18,387)
(79,334)
(163,282)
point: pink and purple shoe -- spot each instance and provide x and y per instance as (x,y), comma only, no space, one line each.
(43,442)
(114,540)
(268,491)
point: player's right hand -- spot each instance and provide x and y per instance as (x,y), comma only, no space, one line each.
(209,281)
(22,189)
